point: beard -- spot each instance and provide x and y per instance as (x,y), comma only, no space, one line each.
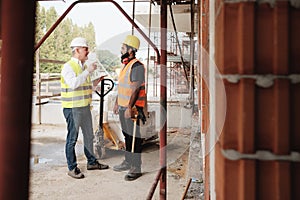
(123,56)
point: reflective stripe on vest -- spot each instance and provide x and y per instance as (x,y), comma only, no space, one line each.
(125,87)
(78,97)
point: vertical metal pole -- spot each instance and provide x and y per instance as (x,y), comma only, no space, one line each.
(149,35)
(101,105)
(212,101)
(133,15)
(47,84)
(16,96)
(155,80)
(38,85)
(192,75)
(170,78)
(163,99)
(178,44)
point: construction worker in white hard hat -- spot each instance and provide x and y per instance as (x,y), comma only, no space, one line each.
(129,105)
(76,96)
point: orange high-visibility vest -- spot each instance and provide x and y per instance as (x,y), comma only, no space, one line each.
(125,87)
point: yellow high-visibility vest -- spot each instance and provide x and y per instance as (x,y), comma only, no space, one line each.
(125,87)
(78,97)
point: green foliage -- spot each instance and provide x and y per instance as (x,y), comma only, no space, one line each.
(108,60)
(57,45)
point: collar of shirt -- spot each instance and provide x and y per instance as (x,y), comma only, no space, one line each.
(79,62)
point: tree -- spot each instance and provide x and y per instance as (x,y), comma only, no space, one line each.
(109,60)
(57,45)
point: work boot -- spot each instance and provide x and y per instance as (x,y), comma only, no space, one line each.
(134,173)
(76,173)
(122,167)
(97,165)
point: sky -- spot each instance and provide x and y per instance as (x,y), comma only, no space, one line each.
(106,18)
(111,26)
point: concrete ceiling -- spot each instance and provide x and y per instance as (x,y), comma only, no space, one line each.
(181,13)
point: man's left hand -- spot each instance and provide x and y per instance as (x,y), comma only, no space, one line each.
(128,113)
(97,81)
(131,113)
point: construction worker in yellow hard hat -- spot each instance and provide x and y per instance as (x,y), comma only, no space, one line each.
(76,96)
(129,105)
(130,45)
(132,41)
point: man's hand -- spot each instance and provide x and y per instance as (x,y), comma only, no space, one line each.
(128,113)
(116,109)
(97,81)
(131,112)
(92,67)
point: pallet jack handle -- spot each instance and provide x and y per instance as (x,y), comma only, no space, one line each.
(102,94)
(100,150)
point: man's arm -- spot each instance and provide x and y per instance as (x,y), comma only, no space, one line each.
(135,94)
(133,98)
(70,76)
(97,81)
(137,76)
(116,106)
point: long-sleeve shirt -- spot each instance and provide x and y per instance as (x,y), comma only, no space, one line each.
(70,76)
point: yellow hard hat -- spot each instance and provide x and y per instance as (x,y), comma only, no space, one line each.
(132,41)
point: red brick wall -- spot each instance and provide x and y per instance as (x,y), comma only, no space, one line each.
(256,39)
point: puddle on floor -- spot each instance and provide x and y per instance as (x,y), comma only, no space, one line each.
(38,160)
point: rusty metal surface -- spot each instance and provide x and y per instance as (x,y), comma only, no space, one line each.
(163,102)
(17,34)
(203,86)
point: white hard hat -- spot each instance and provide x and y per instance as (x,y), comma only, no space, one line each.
(79,42)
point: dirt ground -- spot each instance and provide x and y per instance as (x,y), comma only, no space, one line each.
(49,179)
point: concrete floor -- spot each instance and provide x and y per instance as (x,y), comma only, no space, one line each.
(49,179)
